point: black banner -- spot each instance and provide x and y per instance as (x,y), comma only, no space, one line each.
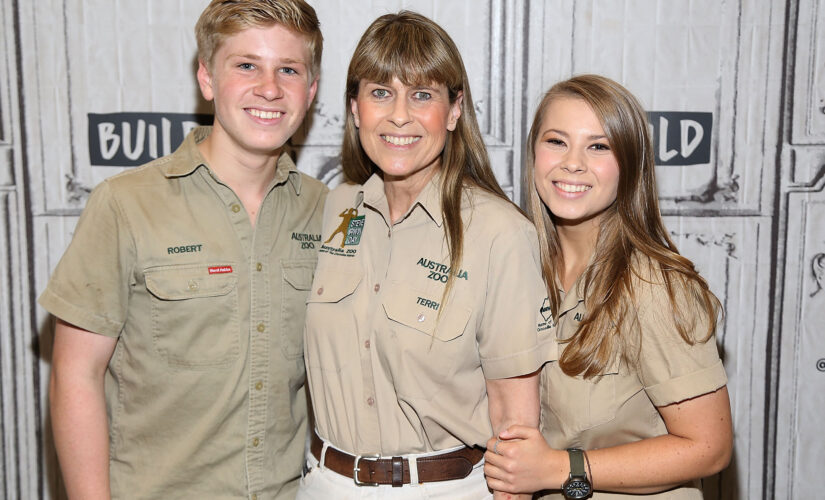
(131,139)
(681,138)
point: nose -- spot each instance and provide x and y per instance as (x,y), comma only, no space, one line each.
(269,87)
(574,162)
(400,112)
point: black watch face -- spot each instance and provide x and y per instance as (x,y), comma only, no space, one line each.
(576,488)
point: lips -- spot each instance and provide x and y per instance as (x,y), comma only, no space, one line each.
(400,140)
(264,115)
(572,188)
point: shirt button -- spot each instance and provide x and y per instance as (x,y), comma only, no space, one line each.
(320,290)
(256,442)
(193,285)
(370,401)
(259,386)
(261,327)
(259,266)
(236,208)
(366,344)
(376,287)
(421,318)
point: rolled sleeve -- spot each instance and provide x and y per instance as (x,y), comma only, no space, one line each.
(671,369)
(90,286)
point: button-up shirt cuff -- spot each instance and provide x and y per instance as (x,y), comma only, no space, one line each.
(513,365)
(77,316)
(688,386)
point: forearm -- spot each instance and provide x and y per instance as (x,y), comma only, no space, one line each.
(513,401)
(78,410)
(81,437)
(648,466)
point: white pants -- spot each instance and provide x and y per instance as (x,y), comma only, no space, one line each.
(321,483)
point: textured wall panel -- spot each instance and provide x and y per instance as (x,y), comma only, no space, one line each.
(729,253)
(801,379)
(809,74)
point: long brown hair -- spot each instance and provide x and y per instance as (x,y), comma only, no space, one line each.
(631,234)
(417,51)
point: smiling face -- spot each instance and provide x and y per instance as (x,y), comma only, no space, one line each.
(403,128)
(576,173)
(261,84)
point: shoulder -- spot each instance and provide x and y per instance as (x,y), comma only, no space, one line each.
(344,194)
(148,174)
(494,212)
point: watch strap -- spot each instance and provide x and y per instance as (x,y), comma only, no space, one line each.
(576,462)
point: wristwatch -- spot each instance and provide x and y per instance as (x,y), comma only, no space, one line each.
(577,485)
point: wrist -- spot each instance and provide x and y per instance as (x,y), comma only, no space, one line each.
(578,484)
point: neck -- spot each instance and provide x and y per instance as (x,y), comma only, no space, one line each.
(402,192)
(578,242)
(248,174)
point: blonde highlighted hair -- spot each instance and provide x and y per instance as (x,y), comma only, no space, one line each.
(224,18)
(631,234)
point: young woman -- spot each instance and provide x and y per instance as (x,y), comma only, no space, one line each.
(422,329)
(635,401)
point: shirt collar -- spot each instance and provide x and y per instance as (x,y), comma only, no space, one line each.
(190,158)
(429,199)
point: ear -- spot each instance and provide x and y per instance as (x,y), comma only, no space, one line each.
(455,112)
(313,88)
(353,106)
(205,81)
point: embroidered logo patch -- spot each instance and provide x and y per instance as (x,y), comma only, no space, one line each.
(546,313)
(350,228)
(220,269)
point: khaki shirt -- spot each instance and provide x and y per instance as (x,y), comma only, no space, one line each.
(204,390)
(620,406)
(387,374)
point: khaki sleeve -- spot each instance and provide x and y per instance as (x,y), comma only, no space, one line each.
(90,286)
(508,338)
(671,369)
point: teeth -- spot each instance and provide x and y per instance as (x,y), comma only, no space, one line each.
(400,141)
(572,188)
(266,115)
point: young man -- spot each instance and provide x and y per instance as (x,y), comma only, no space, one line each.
(177,367)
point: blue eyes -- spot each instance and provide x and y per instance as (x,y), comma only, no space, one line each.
(418,95)
(250,67)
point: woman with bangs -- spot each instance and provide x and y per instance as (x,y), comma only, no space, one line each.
(634,400)
(423,324)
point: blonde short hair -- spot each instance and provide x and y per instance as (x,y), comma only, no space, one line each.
(224,18)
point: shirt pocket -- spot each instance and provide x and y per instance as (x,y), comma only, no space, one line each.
(331,325)
(195,321)
(295,284)
(580,404)
(421,349)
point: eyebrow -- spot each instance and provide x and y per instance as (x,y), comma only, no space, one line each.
(565,134)
(256,57)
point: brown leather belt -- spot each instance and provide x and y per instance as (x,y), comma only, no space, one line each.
(372,471)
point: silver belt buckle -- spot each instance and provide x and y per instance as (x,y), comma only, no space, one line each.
(355,468)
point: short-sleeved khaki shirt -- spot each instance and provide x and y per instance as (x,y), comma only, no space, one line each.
(620,406)
(204,390)
(387,374)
